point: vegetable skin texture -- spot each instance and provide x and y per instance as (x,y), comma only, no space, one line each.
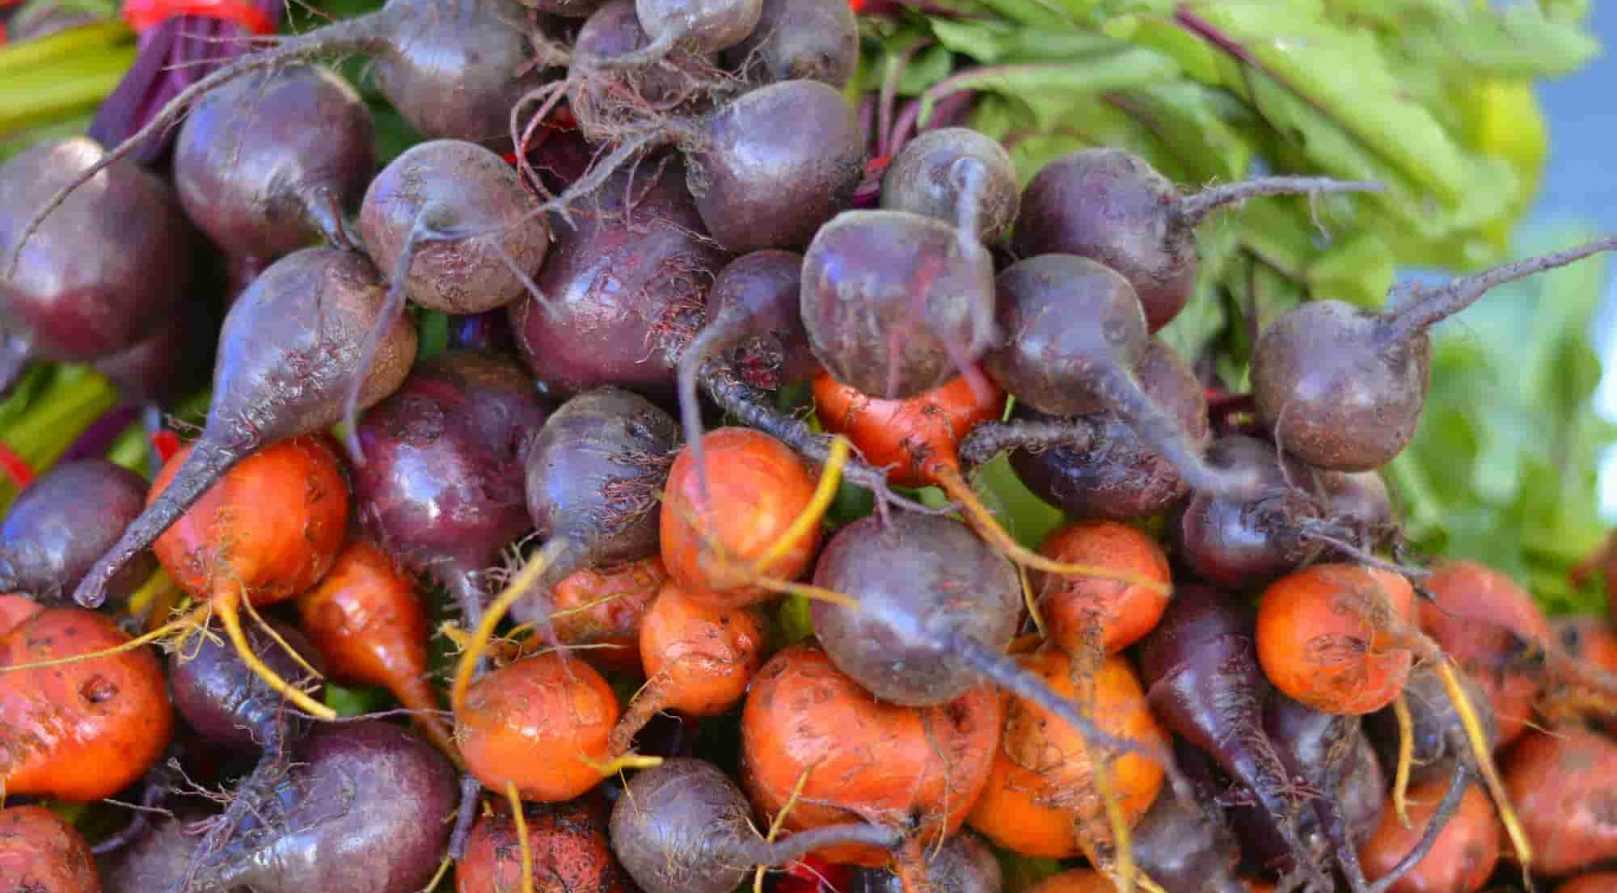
(40,853)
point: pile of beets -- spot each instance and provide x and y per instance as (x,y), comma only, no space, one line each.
(582,546)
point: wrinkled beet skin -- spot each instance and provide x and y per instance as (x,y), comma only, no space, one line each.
(455,70)
(105,268)
(925,178)
(253,153)
(1333,394)
(228,704)
(450,184)
(1108,205)
(361,810)
(624,288)
(41,853)
(683,843)
(568,843)
(800,40)
(1185,850)
(761,289)
(1118,476)
(442,486)
(1045,359)
(775,164)
(572,9)
(594,473)
(614,30)
(962,864)
(923,570)
(1239,544)
(63,522)
(861,306)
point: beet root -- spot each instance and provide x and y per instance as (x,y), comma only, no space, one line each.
(63,522)
(799,40)
(40,853)
(567,843)
(1237,543)
(957,175)
(228,704)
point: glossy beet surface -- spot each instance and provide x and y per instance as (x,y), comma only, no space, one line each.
(228,704)
(63,522)
(1235,542)
(800,39)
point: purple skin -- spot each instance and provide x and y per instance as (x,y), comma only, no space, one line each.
(360,808)
(442,487)
(613,31)
(891,305)
(1361,505)
(1118,476)
(1186,850)
(152,864)
(417,205)
(101,273)
(487,332)
(705,26)
(956,175)
(962,864)
(816,40)
(168,364)
(571,9)
(623,288)
(1438,737)
(1240,543)
(63,522)
(1203,682)
(268,163)
(229,705)
(288,350)
(685,827)
(593,478)
(770,167)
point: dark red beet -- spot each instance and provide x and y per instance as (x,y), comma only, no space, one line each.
(99,275)
(288,350)
(613,31)
(1342,388)
(891,305)
(361,808)
(1437,738)
(705,26)
(63,522)
(1186,850)
(442,487)
(815,40)
(768,168)
(156,862)
(623,288)
(685,827)
(1111,206)
(167,365)
(1359,503)
(572,9)
(268,163)
(961,864)
(1239,543)
(229,705)
(958,175)
(1117,475)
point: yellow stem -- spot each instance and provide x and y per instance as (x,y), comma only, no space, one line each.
(523,844)
(1490,774)
(779,821)
(517,588)
(809,518)
(187,622)
(1406,757)
(226,603)
(281,642)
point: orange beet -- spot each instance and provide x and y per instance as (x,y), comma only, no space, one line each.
(758,487)
(867,760)
(1594,882)
(708,654)
(1081,613)
(1463,856)
(911,438)
(40,853)
(1561,784)
(1076,880)
(1324,638)
(14,609)
(78,731)
(602,608)
(541,723)
(568,846)
(1480,617)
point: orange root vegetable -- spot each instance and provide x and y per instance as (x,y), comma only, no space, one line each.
(567,846)
(1331,636)
(1076,880)
(918,440)
(698,660)
(1560,783)
(1482,618)
(367,621)
(714,544)
(1043,797)
(1460,860)
(40,853)
(1083,614)
(78,730)
(541,723)
(269,529)
(602,609)
(808,728)
(14,609)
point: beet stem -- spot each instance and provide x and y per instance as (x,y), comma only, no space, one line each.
(989,439)
(1121,392)
(1193,209)
(553,563)
(650,54)
(471,794)
(716,334)
(757,851)
(323,209)
(1418,309)
(1440,819)
(207,462)
(392,306)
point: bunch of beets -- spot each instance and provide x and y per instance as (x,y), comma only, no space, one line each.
(648,218)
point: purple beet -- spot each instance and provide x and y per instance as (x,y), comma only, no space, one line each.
(156,862)
(958,175)
(226,703)
(1186,849)
(268,163)
(99,275)
(1240,542)
(815,40)
(703,26)
(287,352)
(597,81)
(442,489)
(63,522)
(961,864)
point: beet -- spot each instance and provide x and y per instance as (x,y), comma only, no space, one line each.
(567,843)
(623,288)
(891,305)
(1240,543)
(685,827)
(442,488)
(287,351)
(156,862)
(228,704)
(1360,503)
(1111,206)
(167,365)
(98,276)
(269,162)
(1186,850)
(815,40)
(63,522)
(957,175)
(705,26)
(611,32)
(1437,738)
